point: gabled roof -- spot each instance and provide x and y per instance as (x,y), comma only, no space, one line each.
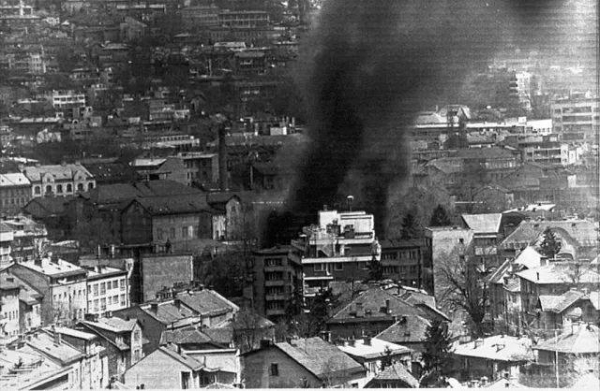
(167,205)
(561,273)
(13,179)
(409,329)
(185,336)
(207,302)
(113,324)
(496,348)
(168,312)
(319,357)
(184,359)
(57,171)
(582,231)
(396,372)
(51,206)
(579,340)
(559,303)
(375,348)
(483,223)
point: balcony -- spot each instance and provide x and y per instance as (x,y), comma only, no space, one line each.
(279,268)
(275,311)
(275,296)
(274,282)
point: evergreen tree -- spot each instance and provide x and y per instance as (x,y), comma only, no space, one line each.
(550,246)
(437,348)
(386,360)
(375,270)
(440,217)
(410,227)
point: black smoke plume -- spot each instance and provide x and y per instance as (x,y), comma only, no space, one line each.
(370,67)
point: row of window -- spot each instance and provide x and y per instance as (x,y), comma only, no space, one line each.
(13,201)
(102,287)
(59,188)
(413,254)
(188,232)
(101,304)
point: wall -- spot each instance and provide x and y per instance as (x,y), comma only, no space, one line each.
(256,367)
(164,270)
(95,296)
(156,371)
(10,312)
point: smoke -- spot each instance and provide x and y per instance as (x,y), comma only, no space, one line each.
(370,67)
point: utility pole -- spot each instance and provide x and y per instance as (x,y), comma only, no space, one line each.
(556,358)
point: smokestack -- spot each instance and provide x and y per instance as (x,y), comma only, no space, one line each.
(221,121)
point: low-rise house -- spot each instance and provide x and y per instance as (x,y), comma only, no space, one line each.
(577,349)
(63,287)
(122,339)
(375,310)
(52,212)
(168,368)
(370,352)
(409,331)
(301,363)
(557,310)
(393,376)
(491,357)
(59,180)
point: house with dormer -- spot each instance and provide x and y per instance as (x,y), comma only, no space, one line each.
(59,180)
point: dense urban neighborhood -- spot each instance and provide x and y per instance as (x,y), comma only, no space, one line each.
(285,194)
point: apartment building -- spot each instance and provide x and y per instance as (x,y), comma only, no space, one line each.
(576,118)
(107,290)
(60,180)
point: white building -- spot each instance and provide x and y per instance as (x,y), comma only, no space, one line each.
(59,179)
(107,290)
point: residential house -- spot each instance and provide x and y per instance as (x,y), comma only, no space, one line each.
(122,339)
(59,180)
(373,311)
(276,281)
(553,279)
(53,213)
(181,221)
(576,349)
(6,239)
(580,235)
(576,118)
(491,357)
(9,307)
(15,193)
(370,352)
(205,308)
(86,366)
(409,331)
(168,368)
(63,287)
(201,167)
(557,311)
(393,376)
(107,290)
(301,363)
(28,237)
(170,168)
(486,236)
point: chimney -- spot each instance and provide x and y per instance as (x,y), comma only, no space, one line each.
(367,341)
(177,303)
(537,274)
(57,337)
(38,262)
(154,307)
(387,306)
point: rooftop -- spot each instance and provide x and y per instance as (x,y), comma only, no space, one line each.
(56,268)
(582,231)
(13,179)
(483,223)
(57,171)
(561,273)
(373,349)
(580,339)
(409,329)
(497,348)
(396,372)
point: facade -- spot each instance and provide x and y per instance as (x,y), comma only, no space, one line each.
(201,167)
(404,261)
(62,285)
(339,248)
(6,239)
(15,193)
(59,180)
(9,307)
(276,281)
(153,272)
(122,339)
(301,363)
(28,237)
(63,100)
(576,118)
(107,290)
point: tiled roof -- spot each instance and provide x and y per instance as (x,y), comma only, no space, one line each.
(397,371)
(582,231)
(497,348)
(184,335)
(113,324)
(559,303)
(121,192)
(369,305)
(581,339)
(34,368)
(57,171)
(374,349)
(319,357)
(13,179)
(190,203)
(410,329)
(483,223)
(207,302)
(184,359)
(561,273)
(168,312)
(529,258)
(52,206)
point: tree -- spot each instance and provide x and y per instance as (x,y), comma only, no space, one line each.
(411,228)
(440,217)
(386,360)
(551,245)
(375,270)
(437,345)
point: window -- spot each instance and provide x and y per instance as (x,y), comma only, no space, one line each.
(123,303)
(103,288)
(48,189)
(80,187)
(59,189)
(319,267)
(37,190)
(274,369)
(96,307)
(103,304)
(122,282)
(172,233)
(90,186)
(184,232)
(95,289)
(116,299)
(69,188)
(338,266)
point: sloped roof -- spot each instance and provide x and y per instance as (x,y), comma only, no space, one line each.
(183,336)
(374,349)
(168,312)
(52,206)
(497,348)
(165,205)
(559,303)
(410,329)
(120,192)
(64,352)
(58,171)
(396,372)
(319,357)
(582,339)
(561,273)
(529,257)
(113,324)
(372,301)
(13,179)
(184,359)
(207,302)
(483,223)
(582,231)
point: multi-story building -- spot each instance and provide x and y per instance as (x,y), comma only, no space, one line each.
(404,261)
(519,88)
(276,281)
(107,290)
(243,19)
(576,118)
(201,167)
(59,180)
(6,238)
(340,247)
(28,237)
(67,99)
(9,307)
(15,192)
(62,284)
